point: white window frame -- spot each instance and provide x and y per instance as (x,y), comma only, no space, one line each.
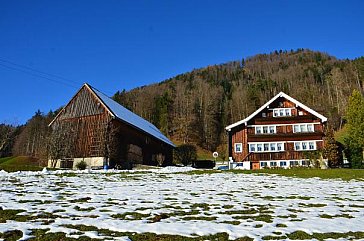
(274,145)
(282,112)
(311,126)
(267,127)
(281,144)
(251,149)
(262,145)
(266,147)
(295,163)
(301,144)
(314,145)
(260,128)
(241,147)
(274,128)
(305,126)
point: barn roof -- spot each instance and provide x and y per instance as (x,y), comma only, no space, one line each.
(280,94)
(125,115)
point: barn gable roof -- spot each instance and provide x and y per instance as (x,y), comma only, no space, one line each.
(280,94)
(123,114)
(129,117)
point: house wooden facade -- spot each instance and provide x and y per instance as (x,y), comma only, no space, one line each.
(282,133)
(94,128)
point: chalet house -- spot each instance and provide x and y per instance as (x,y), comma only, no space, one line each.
(94,128)
(282,133)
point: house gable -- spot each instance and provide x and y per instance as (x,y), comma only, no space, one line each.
(272,103)
(282,131)
(83,103)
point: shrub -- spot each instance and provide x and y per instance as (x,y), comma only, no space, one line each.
(186,153)
(81,165)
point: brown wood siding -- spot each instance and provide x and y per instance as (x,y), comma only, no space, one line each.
(84,125)
(286,137)
(242,134)
(150,145)
(84,103)
(86,121)
(286,155)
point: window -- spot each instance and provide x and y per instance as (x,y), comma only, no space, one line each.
(283,164)
(293,163)
(282,112)
(272,129)
(273,164)
(297,146)
(305,163)
(258,130)
(263,164)
(238,147)
(252,147)
(280,146)
(265,129)
(311,145)
(304,145)
(264,114)
(303,128)
(296,128)
(259,147)
(288,112)
(266,147)
(273,146)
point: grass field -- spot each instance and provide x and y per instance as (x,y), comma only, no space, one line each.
(344,174)
(19,163)
(173,204)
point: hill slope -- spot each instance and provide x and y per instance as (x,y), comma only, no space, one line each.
(196,106)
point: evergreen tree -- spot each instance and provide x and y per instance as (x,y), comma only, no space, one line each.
(355,125)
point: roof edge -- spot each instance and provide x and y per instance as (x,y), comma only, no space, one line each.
(280,94)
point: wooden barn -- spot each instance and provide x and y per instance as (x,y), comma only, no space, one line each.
(282,133)
(94,128)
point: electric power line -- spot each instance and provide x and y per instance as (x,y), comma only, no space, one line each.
(41,74)
(37,75)
(38,71)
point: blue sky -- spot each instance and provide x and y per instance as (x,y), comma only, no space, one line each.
(115,45)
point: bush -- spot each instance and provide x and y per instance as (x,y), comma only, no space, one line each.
(81,165)
(185,154)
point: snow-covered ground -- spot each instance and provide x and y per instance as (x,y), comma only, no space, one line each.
(200,204)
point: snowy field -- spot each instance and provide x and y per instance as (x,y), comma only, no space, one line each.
(112,205)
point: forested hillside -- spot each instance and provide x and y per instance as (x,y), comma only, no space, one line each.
(196,106)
